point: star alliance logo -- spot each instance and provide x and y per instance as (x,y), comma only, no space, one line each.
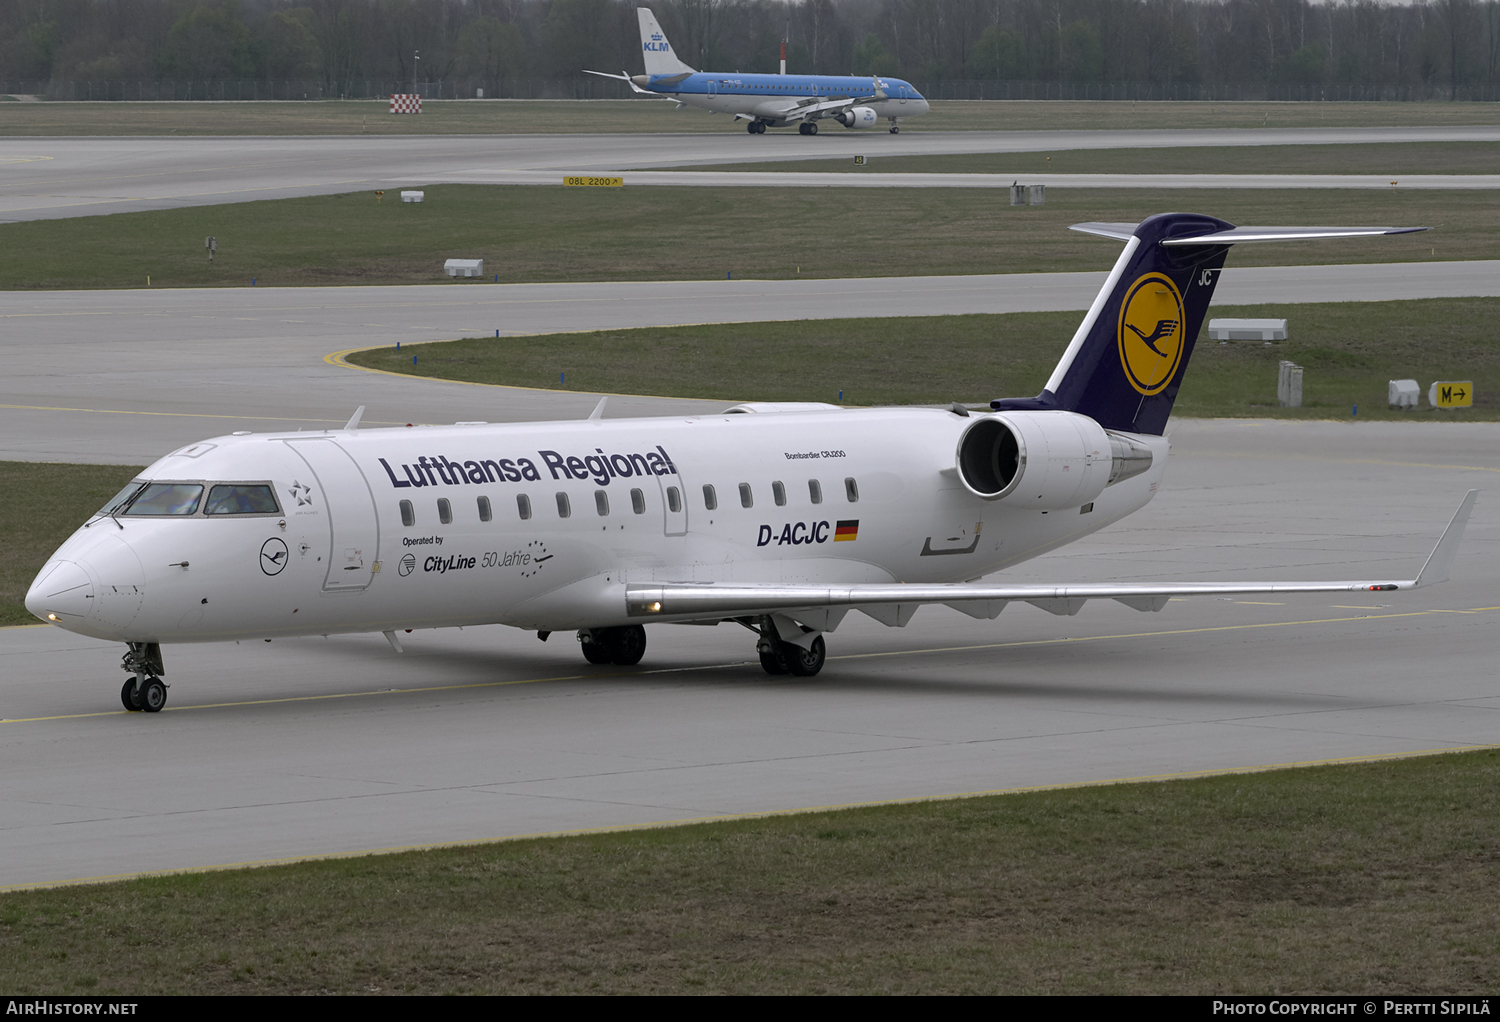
(303,494)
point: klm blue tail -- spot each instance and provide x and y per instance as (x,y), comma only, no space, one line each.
(1125,364)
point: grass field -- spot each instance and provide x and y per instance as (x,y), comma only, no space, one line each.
(1324,880)
(1391,160)
(556,233)
(1348,349)
(70,493)
(511,117)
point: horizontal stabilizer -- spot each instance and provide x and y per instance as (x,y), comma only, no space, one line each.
(1241,235)
(893,604)
(1120,232)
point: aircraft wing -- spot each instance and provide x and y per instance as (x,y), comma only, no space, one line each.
(816,606)
(822,109)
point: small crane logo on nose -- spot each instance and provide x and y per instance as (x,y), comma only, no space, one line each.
(273,556)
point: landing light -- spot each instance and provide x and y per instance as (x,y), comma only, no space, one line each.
(51,616)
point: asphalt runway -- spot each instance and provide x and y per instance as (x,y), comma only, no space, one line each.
(44,178)
(126,376)
(320,747)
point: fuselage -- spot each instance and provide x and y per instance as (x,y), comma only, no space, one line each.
(540,525)
(776,98)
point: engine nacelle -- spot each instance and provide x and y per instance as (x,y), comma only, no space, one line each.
(857,117)
(1045,461)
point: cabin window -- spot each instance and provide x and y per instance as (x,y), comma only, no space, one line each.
(746,498)
(815,491)
(408,516)
(523,506)
(485,514)
(638,502)
(445,511)
(674,500)
(564,509)
(601,502)
(237,499)
(166,499)
(851,490)
(710,499)
(778,494)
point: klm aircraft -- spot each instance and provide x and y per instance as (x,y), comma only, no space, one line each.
(770,101)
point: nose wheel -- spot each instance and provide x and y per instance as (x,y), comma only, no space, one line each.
(144,689)
(149,695)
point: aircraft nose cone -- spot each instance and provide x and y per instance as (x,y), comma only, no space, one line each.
(63,593)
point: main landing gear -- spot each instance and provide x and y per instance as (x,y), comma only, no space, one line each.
(620,646)
(807,128)
(144,689)
(756,127)
(780,657)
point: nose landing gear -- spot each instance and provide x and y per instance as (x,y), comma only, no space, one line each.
(144,689)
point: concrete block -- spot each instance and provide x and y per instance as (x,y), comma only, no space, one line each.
(1403,394)
(464,267)
(1247,329)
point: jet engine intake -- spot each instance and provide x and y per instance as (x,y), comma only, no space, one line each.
(1045,461)
(857,117)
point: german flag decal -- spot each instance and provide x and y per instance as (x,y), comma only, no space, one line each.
(846,531)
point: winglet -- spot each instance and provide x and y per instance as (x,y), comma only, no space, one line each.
(353,422)
(1441,559)
(598,413)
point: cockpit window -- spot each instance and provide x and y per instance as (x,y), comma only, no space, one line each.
(120,499)
(240,499)
(166,499)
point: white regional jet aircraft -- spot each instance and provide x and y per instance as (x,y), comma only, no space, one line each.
(781,520)
(774,101)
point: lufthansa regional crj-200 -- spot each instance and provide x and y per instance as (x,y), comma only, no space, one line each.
(770,101)
(778,517)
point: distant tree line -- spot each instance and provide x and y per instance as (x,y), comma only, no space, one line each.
(1450,46)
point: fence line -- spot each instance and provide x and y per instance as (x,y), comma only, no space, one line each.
(569,88)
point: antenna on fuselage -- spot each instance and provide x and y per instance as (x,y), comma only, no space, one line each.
(597,415)
(353,422)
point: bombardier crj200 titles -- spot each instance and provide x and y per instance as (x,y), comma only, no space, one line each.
(770,101)
(778,517)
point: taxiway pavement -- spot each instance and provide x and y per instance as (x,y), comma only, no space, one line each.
(44,178)
(317,747)
(126,376)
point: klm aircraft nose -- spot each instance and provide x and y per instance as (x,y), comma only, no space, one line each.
(63,593)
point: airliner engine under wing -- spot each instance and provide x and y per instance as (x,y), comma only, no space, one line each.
(781,518)
(774,101)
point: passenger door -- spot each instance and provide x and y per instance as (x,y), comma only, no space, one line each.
(345,498)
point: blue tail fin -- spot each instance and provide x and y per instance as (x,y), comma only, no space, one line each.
(1127,359)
